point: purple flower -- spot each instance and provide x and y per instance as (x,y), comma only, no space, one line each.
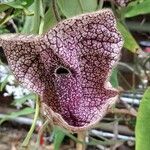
(69,67)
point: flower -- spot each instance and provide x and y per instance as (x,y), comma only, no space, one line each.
(69,67)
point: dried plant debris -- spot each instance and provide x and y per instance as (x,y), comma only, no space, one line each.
(122,3)
(69,67)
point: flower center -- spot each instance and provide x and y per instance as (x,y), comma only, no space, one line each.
(62,71)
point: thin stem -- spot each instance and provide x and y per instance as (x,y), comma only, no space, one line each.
(41,27)
(115,131)
(125,80)
(128,67)
(27,139)
(100,6)
(81,137)
(80,3)
(54,5)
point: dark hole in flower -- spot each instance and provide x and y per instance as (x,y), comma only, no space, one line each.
(62,71)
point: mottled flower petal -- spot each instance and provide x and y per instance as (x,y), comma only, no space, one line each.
(69,67)
(24,59)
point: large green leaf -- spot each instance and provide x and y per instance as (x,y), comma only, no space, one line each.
(29,21)
(137,9)
(36,19)
(32,23)
(129,41)
(143,123)
(74,7)
(88,5)
(49,19)
(28,25)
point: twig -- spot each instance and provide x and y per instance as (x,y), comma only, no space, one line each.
(115,131)
(108,127)
(41,132)
(130,108)
(121,111)
(128,67)
(124,79)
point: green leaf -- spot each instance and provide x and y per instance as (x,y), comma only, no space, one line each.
(14,4)
(143,123)
(137,9)
(34,24)
(129,41)
(49,19)
(18,4)
(3,7)
(74,7)
(36,19)
(59,137)
(28,24)
(114,78)
(13,115)
(70,7)
(88,5)
(28,2)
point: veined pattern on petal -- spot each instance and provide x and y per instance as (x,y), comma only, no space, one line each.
(69,67)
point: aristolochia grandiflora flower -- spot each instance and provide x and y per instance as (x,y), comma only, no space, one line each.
(69,67)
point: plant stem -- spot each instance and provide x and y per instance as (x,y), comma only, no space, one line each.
(27,139)
(41,26)
(81,137)
(56,13)
(36,21)
(101,4)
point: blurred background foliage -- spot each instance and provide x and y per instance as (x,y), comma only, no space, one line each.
(131,76)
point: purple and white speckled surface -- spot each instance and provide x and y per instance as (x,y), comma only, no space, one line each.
(69,67)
